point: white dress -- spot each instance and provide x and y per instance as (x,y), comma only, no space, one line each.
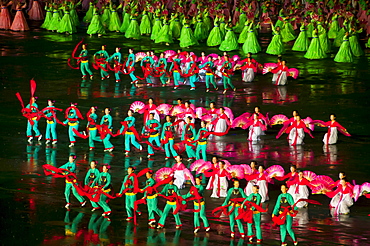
(333,136)
(341,203)
(296,135)
(282,78)
(254,133)
(248,75)
(219,186)
(302,193)
(179,178)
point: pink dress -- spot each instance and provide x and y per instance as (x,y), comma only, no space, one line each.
(19,22)
(36,11)
(5,19)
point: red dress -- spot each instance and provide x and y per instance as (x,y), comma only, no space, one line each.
(19,22)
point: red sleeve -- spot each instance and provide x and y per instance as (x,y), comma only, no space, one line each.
(286,176)
(251,177)
(331,194)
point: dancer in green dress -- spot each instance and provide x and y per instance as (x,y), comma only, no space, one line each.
(175,26)
(156,27)
(230,42)
(333,27)
(49,15)
(89,14)
(114,22)
(96,26)
(164,35)
(276,46)
(323,36)
(302,42)
(66,24)
(215,37)
(126,20)
(187,38)
(105,16)
(251,44)
(287,31)
(354,43)
(344,54)
(314,51)
(133,30)
(55,20)
(145,24)
(200,32)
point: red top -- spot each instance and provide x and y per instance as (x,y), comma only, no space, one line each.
(257,176)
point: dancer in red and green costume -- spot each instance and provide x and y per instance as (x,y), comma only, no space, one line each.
(227,74)
(51,123)
(150,195)
(90,177)
(117,58)
(32,123)
(167,138)
(234,193)
(103,180)
(210,77)
(72,114)
(92,119)
(100,57)
(151,129)
(107,120)
(256,198)
(202,142)
(84,65)
(188,135)
(161,67)
(176,70)
(71,167)
(169,190)
(285,200)
(199,204)
(130,64)
(128,186)
(127,127)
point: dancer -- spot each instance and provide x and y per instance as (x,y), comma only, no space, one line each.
(5,17)
(210,75)
(128,186)
(92,120)
(296,132)
(102,56)
(252,182)
(117,58)
(301,190)
(179,171)
(256,128)
(90,177)
(249,71)
(84,59)
(51,120)
(19,21)
(150,195)
(261,179)
(202,142)
(167,138)
(103,181)
(130,66)
(72,114)
(222,122)
(106,122)
(256,198)
(218,182)
(96,26)
(128,128)
(151,131)
(32,123)
(276,46)
(331,137)
(340,203)
(187,137)
(227,73)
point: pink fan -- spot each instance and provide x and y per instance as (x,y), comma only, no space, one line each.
(207,118)
(236,171)
(164,108)
(309,123)
(245,115)
(169,53)
(268,66)
(139,56)
(356,192)
(192,106)
(229,113)
(163,173)
(247,169)
(177,110)
(155,58)
(236,58)
(365,188)
(205,167)
(200,111)
(275,170)
(278,119)
(137,105)
(214,56)
(293,72)
(324,180)
(227,163)
(239,122)
(320,189)
(189,176)
(309,175)
(196,164)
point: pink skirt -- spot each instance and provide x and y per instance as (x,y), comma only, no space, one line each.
(5,20)
(36,12)
(19,22)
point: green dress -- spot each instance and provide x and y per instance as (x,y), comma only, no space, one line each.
(222,27)
(96,26)
(214,37)
(48,17)
(133,30)
(74,14)
(354,44)
(302,43)
(55,20)
(287,32)
(314,51)
(175,26)
(125,23)
(333,27)
(89,14)
(344,54)
(66,25)
(105,17)
(156,28)
(187,38)
(276,46)
(309,29)
(280,22)
(230,42)
(145,24)
(368,43)
(164,35)
(114,22)
(207,21)
(240,26)
(243,35)
(200,32)
(251,44)
(323,38)
(342,32)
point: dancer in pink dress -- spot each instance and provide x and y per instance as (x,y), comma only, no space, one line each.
(5,18)
(19,22)
(35,11)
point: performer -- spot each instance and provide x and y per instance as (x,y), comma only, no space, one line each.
(331,137)
(222,121)
(218,182)
(130,66)
(84,59)
(102,56)
(187,137)
(199,205)
(256,198)
(71,167)
(234,193)
(261,182)
(282,72)
(32,123)
(249,70)
(103,180)
(301,190)
(179,170)
(285,201)
(167,138)
(107,121)
(341,203)
(210,75)
(117,58)
(130,196)
(296,131)
(256,128)
(92,119)
(151,130)
(149,108)
(151,198)
(202,142)
(169,190)
(252,182)
(128,127)
(90,177)
(292,179)
(72,114)
(51,120)
(227,73)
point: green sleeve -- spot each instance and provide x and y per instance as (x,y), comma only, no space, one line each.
(277,205)
(108,181)
(87,177)
(227,199)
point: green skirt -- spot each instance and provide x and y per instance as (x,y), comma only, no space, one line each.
(187,37)
(54,23)
(222,30)
(243,35)
(230,42)
(156,29)
(314,51)
(164,35)
(339,39)
(286,33)
(47,20)
(325,43)
(200,32)
(175,27)
(240,26)
(89,14)
(133,30)
(105,17)
(214,38)
(333,29)
(114,22)
(207,23)
(368,43)
(251,44)
(125,23)
(302,43)
(344,54)
(74,17)
(145,25)
(309,29)
(355,46)
(276,46)
(66,25)
(96,26)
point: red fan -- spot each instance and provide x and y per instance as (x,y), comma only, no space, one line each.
(164,108)
(293,72)
(205,167)
(168,54)
(275,170)
(177,110)
(189,176)
(192,106)
(239,122)
(236,58)
(155,58)
(278,119)
(247,169)
(229,113)
(268,66)
(139,56)
(309,175)
(163,173)
(137,105)
(196,164)
(356,192)
(236,171)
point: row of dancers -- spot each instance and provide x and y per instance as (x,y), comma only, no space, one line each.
(239,204)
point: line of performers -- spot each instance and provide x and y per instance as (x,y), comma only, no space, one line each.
(181,66)
(239,204)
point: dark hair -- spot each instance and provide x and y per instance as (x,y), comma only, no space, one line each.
(333,115)
(189,117)
(284,185)
(255,162)
(261,166)
(152,114)
(295,167)
(73,156)
(179,99)
(257,186)
(133,168)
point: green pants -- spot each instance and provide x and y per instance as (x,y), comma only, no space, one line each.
(201,148)
(103,203)
(232,217)
(166,210)
(84,67)
(257,224)
(153,208)
(287,226)
(210,79)
(67,192)
(103,73)
(201,214)
(227,82)
(130,200)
